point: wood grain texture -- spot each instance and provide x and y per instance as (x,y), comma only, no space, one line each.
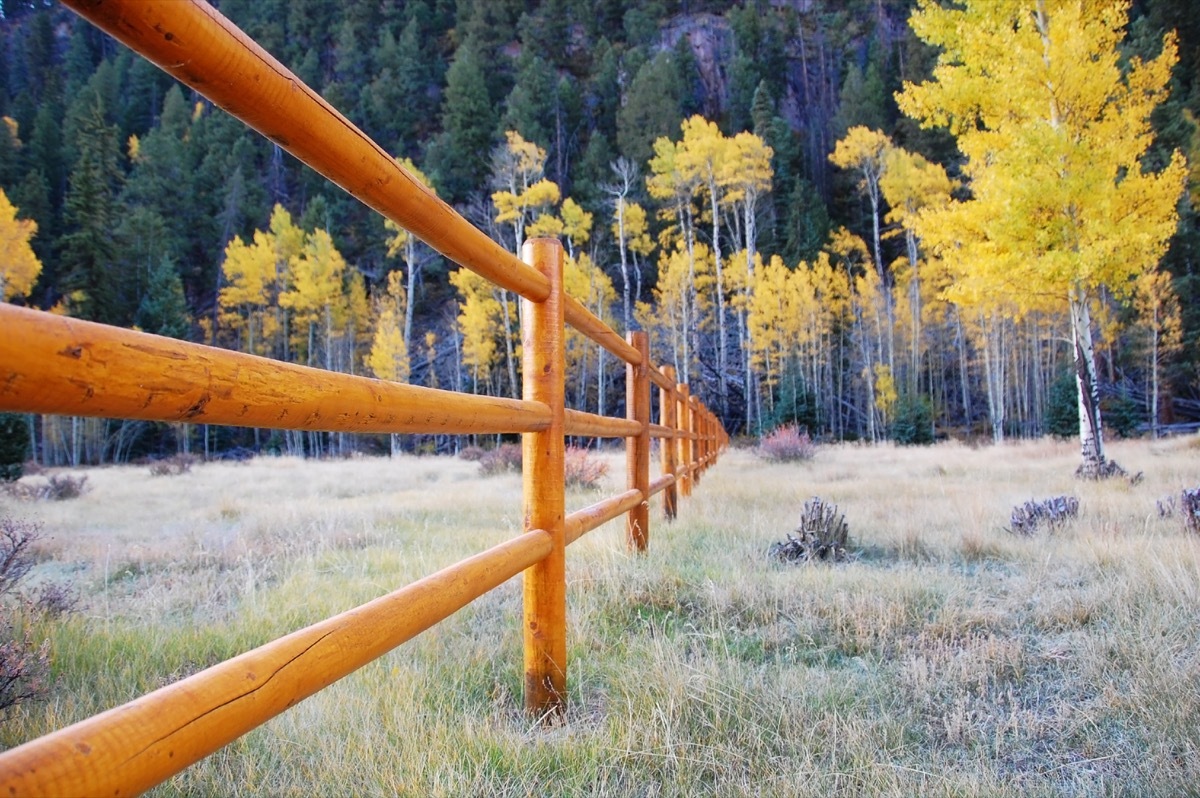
(543,363)
(637,447)
(59,365)
(668,449)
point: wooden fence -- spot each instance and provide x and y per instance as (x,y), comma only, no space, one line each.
(58,365)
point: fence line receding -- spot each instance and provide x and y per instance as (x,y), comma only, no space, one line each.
(56,365)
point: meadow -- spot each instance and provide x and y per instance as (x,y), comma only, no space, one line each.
(947,657)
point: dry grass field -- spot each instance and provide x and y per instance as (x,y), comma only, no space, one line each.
(948,657)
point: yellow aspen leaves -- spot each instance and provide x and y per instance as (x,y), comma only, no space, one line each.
(19,266)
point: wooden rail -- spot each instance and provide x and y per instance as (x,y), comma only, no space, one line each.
(56,365)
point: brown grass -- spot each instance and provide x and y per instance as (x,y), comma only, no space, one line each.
(947,658)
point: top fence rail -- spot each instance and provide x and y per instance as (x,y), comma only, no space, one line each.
(57,365)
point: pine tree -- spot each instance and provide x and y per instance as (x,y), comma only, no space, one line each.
(458,160)
(163,309)
(89,280)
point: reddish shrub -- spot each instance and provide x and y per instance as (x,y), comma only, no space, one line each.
(581,470)
(504,458)
(787,444)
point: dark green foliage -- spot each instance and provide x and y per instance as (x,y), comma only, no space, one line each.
(459,158)
(1062,411)
(14,446)
(653,108)
(794,404)
(912,420)
(163,309)
(806,226)
(89,280)
(1122,414)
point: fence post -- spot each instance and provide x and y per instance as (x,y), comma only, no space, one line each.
(695,424)
(545,586)
(667,446)
(684,420)
(637,448)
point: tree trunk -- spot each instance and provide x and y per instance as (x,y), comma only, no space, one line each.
(1091,439)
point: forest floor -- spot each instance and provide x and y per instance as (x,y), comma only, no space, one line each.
(946,657)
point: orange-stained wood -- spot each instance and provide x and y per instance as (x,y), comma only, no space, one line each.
(129,749)
(545,597)
(590,325)
(580,522)
(59,365)
(662,431)
(694,410)
(660,484)
(637,447)
(592,425)
(684,421)
(194,43)
(662,378)
(667,449)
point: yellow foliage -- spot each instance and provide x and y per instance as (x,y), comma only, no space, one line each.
(885,388)
(478,320)
(19,266)
(14,129)
(388,356)
(1054,129)
(547,225)
(864,151)
(577,223)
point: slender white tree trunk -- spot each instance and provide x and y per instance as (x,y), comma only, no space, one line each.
(1091,438)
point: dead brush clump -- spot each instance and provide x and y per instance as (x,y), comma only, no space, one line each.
(503,459)
(1028,518)
(472,454)
(1186,506)
(24,662)
(821,535)
(787,444)
(59,487)
(173,466)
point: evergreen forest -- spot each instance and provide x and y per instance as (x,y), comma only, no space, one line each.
(746,181)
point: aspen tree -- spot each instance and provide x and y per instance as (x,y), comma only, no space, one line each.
(865,152)
(412,251)
(388,356)
(1159,317)
(1054,127)
(523,194)
(627,175)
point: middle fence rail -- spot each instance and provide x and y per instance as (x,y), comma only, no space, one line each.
(57,365)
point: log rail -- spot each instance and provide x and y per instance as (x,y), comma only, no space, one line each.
(58,365)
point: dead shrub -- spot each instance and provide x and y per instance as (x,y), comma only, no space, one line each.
(172,466)
(1186,504)
(821,535)
(24,662)
(581,470)
(1189,505)
(1028,518)
(503,459)
(61,487)
(787,444)
(472,454)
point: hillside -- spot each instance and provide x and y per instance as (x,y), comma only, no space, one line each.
(141,190)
